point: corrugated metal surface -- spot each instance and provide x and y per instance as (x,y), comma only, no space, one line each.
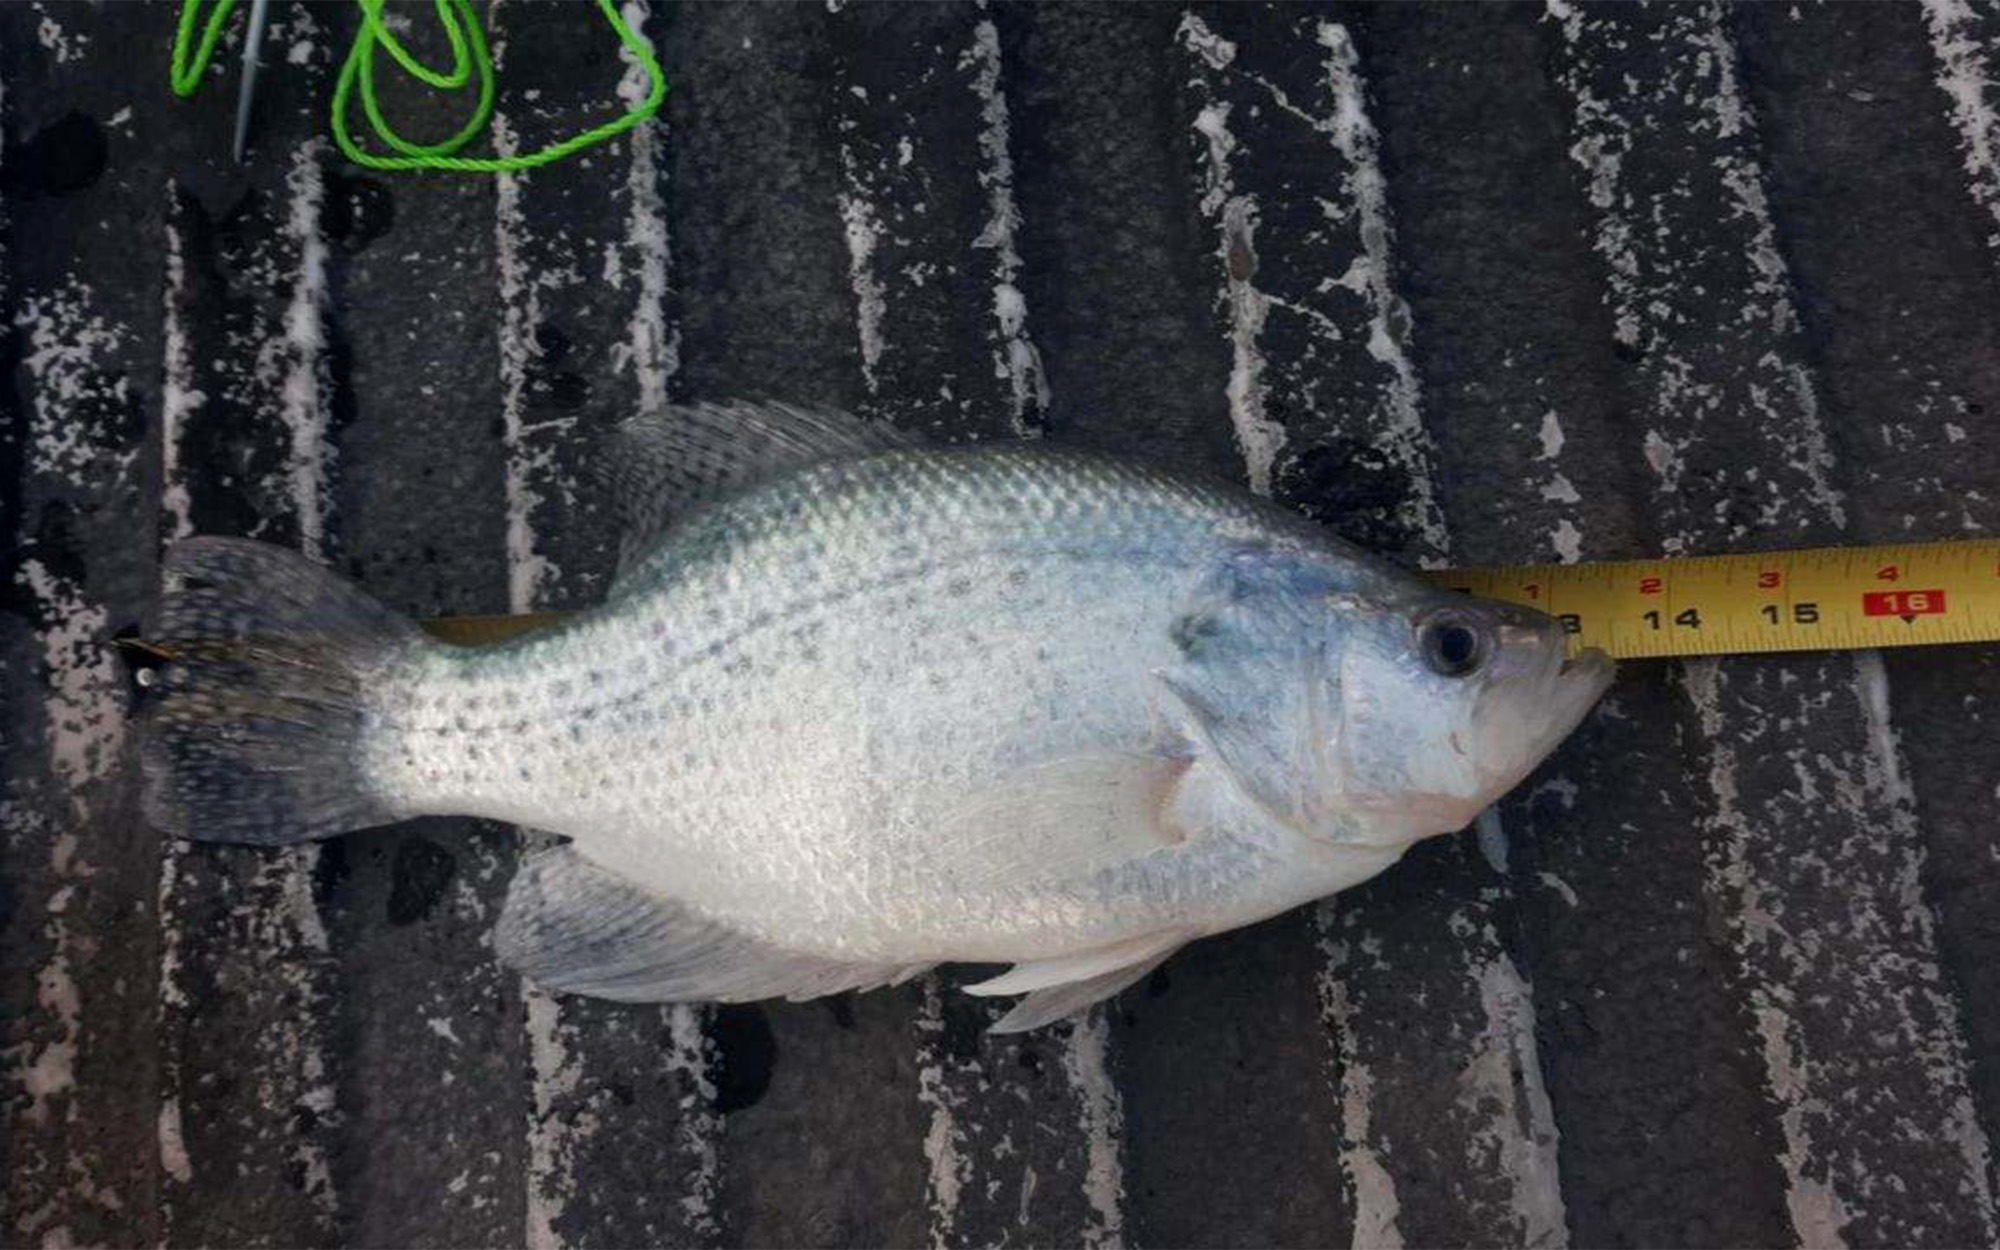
(1487,282)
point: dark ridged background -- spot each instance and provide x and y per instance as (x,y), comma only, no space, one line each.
(1489,282)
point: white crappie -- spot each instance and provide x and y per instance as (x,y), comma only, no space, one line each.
(867,707)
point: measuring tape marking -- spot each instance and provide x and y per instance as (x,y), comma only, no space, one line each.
(1814,599)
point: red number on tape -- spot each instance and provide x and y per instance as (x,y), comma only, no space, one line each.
(1903,602)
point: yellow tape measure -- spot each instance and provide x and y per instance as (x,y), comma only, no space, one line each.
(1831,598)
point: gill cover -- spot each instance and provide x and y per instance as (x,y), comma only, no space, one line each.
(1253,682)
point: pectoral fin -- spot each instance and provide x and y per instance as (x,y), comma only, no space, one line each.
(1070,816)
(576,927)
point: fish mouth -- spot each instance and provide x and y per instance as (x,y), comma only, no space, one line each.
(1537,716)
(1591,662)
(1580,681)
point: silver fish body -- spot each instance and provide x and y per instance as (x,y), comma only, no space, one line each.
(992,704)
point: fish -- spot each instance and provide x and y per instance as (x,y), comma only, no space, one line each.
(855,706)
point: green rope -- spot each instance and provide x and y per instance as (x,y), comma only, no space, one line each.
(470,59)
(187,77)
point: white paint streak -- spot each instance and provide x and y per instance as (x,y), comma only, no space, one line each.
(1567,540)
(1503,1087)
(1943,1053)
(179,397)
(1103,1127)
(288,875)
(86,725)
(1015,357)
(173,1145)
(1819,1214)
(1258,437)
(653,349)
(1376,1206)
(293,368)
(871,295)
(955,1090)
(528,570)
(1396,424)
(1564,890)
(699,1127)
(305,379)
(1567,536)
(1399,412)
(551,1143)
(948,1170)
(1966,74)
(1551,435)
(65,341)
(1196,37)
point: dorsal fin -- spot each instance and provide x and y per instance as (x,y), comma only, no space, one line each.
(663,465)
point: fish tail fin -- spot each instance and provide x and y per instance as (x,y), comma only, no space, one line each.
(256,733)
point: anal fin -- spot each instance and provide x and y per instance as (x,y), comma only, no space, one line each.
(576,927)
(1067,984)
(1046,1006)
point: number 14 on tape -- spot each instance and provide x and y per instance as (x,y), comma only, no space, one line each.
(1811,600)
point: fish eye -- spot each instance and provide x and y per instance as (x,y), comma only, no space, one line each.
(1453,643)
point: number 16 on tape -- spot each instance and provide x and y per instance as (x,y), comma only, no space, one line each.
(1807,600)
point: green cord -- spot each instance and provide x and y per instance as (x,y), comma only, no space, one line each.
(469,58)
(187,77)
(360,64)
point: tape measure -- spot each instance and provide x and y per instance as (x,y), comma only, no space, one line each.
(1829,598)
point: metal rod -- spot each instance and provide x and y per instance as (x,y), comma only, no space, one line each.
(246,90)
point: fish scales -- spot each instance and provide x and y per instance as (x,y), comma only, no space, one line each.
(941,619)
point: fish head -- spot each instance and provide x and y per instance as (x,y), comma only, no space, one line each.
(1436,704)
